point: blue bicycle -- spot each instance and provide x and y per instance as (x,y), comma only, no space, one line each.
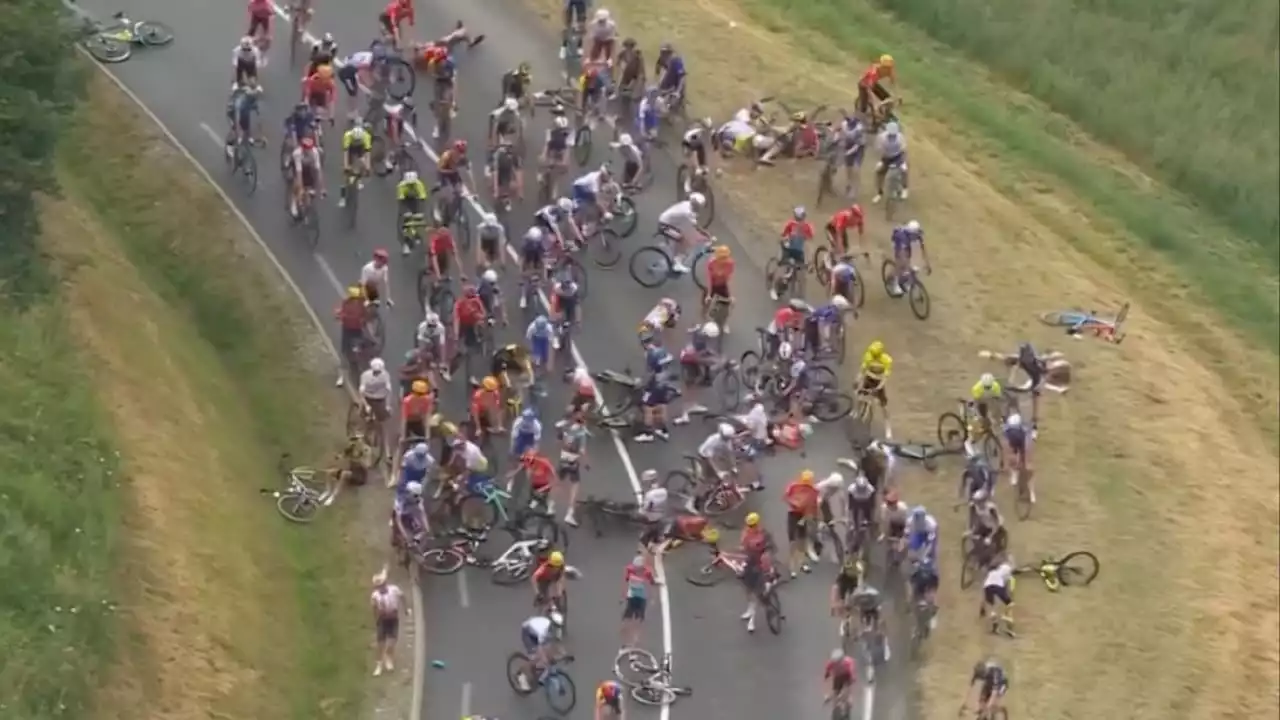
(484,505)
(562,694)
(908,283)
(653,265)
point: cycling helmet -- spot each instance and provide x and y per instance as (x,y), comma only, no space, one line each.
(837,655)
(799,305)
(987,380)
(432,319)
(410,177)
(565,204)
(420,449)
(806,477)
(602,15)
(377,366)
(798,213)
(913,226)
(753,519)
(490,383)
(419,387)
(711,329)
(490,276)
(918,512)
(891,497)
(840,302)
(354,292)
(581,375)
(556,559)
(836,478)
(414,489)
(886,61)
(697,199)
(529,414)
(723,251)
(876,348)
(510,104)
(1014,420)
(380,254)
(649,476)
(562,123)
(246,42)
(726,430)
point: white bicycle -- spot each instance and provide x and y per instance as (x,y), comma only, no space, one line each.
(517,563)
(649,680)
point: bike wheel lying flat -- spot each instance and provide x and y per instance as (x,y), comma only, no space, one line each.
(1078,568)
(153,34)
(107,50)
(709,575)
(1062,318)
(441,561)
(300,508)
(634,665)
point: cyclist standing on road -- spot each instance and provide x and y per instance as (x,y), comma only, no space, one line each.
(636,580)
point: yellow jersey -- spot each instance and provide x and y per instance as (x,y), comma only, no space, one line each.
(878,368)
(352,144)
(415,190)
(992,393)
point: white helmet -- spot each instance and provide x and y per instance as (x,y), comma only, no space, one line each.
(410,176)
(892,128)
(556,618)
(861,480)
(785,350)
(414,488)
(841,302)
(913,226)
(649,476)
(800,305)
(979,495)
(246,42)
(623,139)
(562,123)
(987,380)
(490,276)
(510,104)
(432,319)
(581,375)
(726,430)
(420,449)
(697,199)
(1014,420)
(837,655)
(534,234)
(798,367)
(602,15)
(836,478)
(711,329)
(377,366)
(565,204)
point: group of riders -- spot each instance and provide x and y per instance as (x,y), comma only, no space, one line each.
(795,335)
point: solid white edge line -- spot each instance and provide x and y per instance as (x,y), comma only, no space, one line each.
(664,595)
(419,626)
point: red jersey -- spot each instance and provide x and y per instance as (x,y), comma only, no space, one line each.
(797,229)
(483,401)
(635,575)
(442,241)
(451,160)
(787,317)
(873,75)
(840,668)
(541,472)
(719,270)
(754,540)
(398,11)
(469,311)
(850,217)
(801,498)
(316,86)
(547,574)
(260,9)
(415,407)
(351,314)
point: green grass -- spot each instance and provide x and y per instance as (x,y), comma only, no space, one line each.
(1237,276)
(59,512)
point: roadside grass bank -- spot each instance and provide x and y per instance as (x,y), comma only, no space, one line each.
(207,373)
(1132,464)
(1023,146)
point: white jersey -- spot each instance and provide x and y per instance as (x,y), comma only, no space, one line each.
(714,445)
(629,151)
(891,145)
(590,182)
(428,335)
(861,490)
(693,136)
(987,514)
(756,422)
(361,60)
(242,56)
(539,627)
(653,506)
(473,457)
(828,486)
(680,215)
(735,130)
(743,115)
(373,275)
(999,577)
(657,318)
(603,30)
(375,386)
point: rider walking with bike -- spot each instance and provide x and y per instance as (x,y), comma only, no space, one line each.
(758,547)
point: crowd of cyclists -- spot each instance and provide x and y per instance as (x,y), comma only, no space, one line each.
(679,356)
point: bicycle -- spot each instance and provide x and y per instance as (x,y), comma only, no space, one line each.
(351,183)
(908,284)
(435,293)
(362,422)
(113,42)
(308,218)
(562,694)
(243,164)
(785,278)
(518,562)
(1063,571)
(449,208)
(300,500)
(824,260)
(454,555)
(894,185)
(413,229)
(1078,322)
(653,265)
(922,615)
(697,182)
(649,680)
(967,427)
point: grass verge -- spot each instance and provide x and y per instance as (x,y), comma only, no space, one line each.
(202,370)
(1133,462)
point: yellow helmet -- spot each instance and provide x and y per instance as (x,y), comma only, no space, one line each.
(886,61)
(799,117)
(556,559)
(722,251)
(355,291)
(711,536)
(806,477)
(419,387)
(876,348)
(753,519)
(490,383)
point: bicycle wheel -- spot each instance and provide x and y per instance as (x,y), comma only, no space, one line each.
(441,561)
(650,266)
(152,33)
(570,265)
(749,368)
(832,406)
(562,694)
(730,387)
(107,50)
(633,666)
(582,145)
(298,507)
(821,258)
(1062,318)
(721,500)
(625,217)
(1022,502)
(887,272)
(246,169)
(605,248)
(653,695)
(713,573)
(698,269)
(952,431)
(918,298)
(508,575)
(476,514)
(1078,568)
(773,616)
(400,78)
(991,448)
(519,668)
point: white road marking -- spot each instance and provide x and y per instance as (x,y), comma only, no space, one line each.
(664,594)
(868,701)
(329,274)
(213,134)
(464,594)
(466,699)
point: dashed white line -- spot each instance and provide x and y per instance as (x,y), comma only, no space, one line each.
(466,699)
(213,134)
(464,593)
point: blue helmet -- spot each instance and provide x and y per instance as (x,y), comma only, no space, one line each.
(918,512)
(541,321)
(529,414)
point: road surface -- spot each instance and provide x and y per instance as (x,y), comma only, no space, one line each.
(472,625)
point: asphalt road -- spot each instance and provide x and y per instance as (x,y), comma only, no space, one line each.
(473,626)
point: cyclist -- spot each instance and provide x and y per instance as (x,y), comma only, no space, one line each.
(851,142)
(548,581)
(468,315)
(871,91)
(894,513)
(719,273)
(306,174)
(655,395)
(415,410)
(838,677)
(992,683)
(601,33)
(822,320)
(526,435)
(847,581)
(260,14)
(512,362)
(492,238)
(838,229)
(300,123)
(241,109)
(411,198)
(486,402)
(693,146)
(516,82)
(587,190)
(609,693)
(354,70)
(584,392)
(539,336)
(538,635)
(874,373)
(977,475)
(566,295)
(902,239)
(506,172)
(802,499)
(893,153)
(986,389)
(663,317)
(986,524)
(794,235)
(924,585)
(504,122)
(393,126)
(867,600)
(1015,438)
(323,52)
(542,477)
(246,60)
(636,580)
(633,160)
(356,146)
(998,586)
(430,339)
(680,223)
(396,12)
(450,166)
(922,535)
(375,388)
(573,458)
(409,516)
(415,464)
(697,358)
(320,92)
(758,547)
(716,455)
(375,278)
(862,504)
(351,314)
(828,488)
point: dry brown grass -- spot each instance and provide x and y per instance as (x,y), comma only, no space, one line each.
(1162,459)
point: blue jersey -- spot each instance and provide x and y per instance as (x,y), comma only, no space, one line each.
(672,74)
(903,238)
(550,216)
(301,123)
(826,314)
(656,359)
(414,468)
(647,115)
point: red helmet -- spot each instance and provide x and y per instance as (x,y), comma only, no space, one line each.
(380,254)
(460,146)
(308,143)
